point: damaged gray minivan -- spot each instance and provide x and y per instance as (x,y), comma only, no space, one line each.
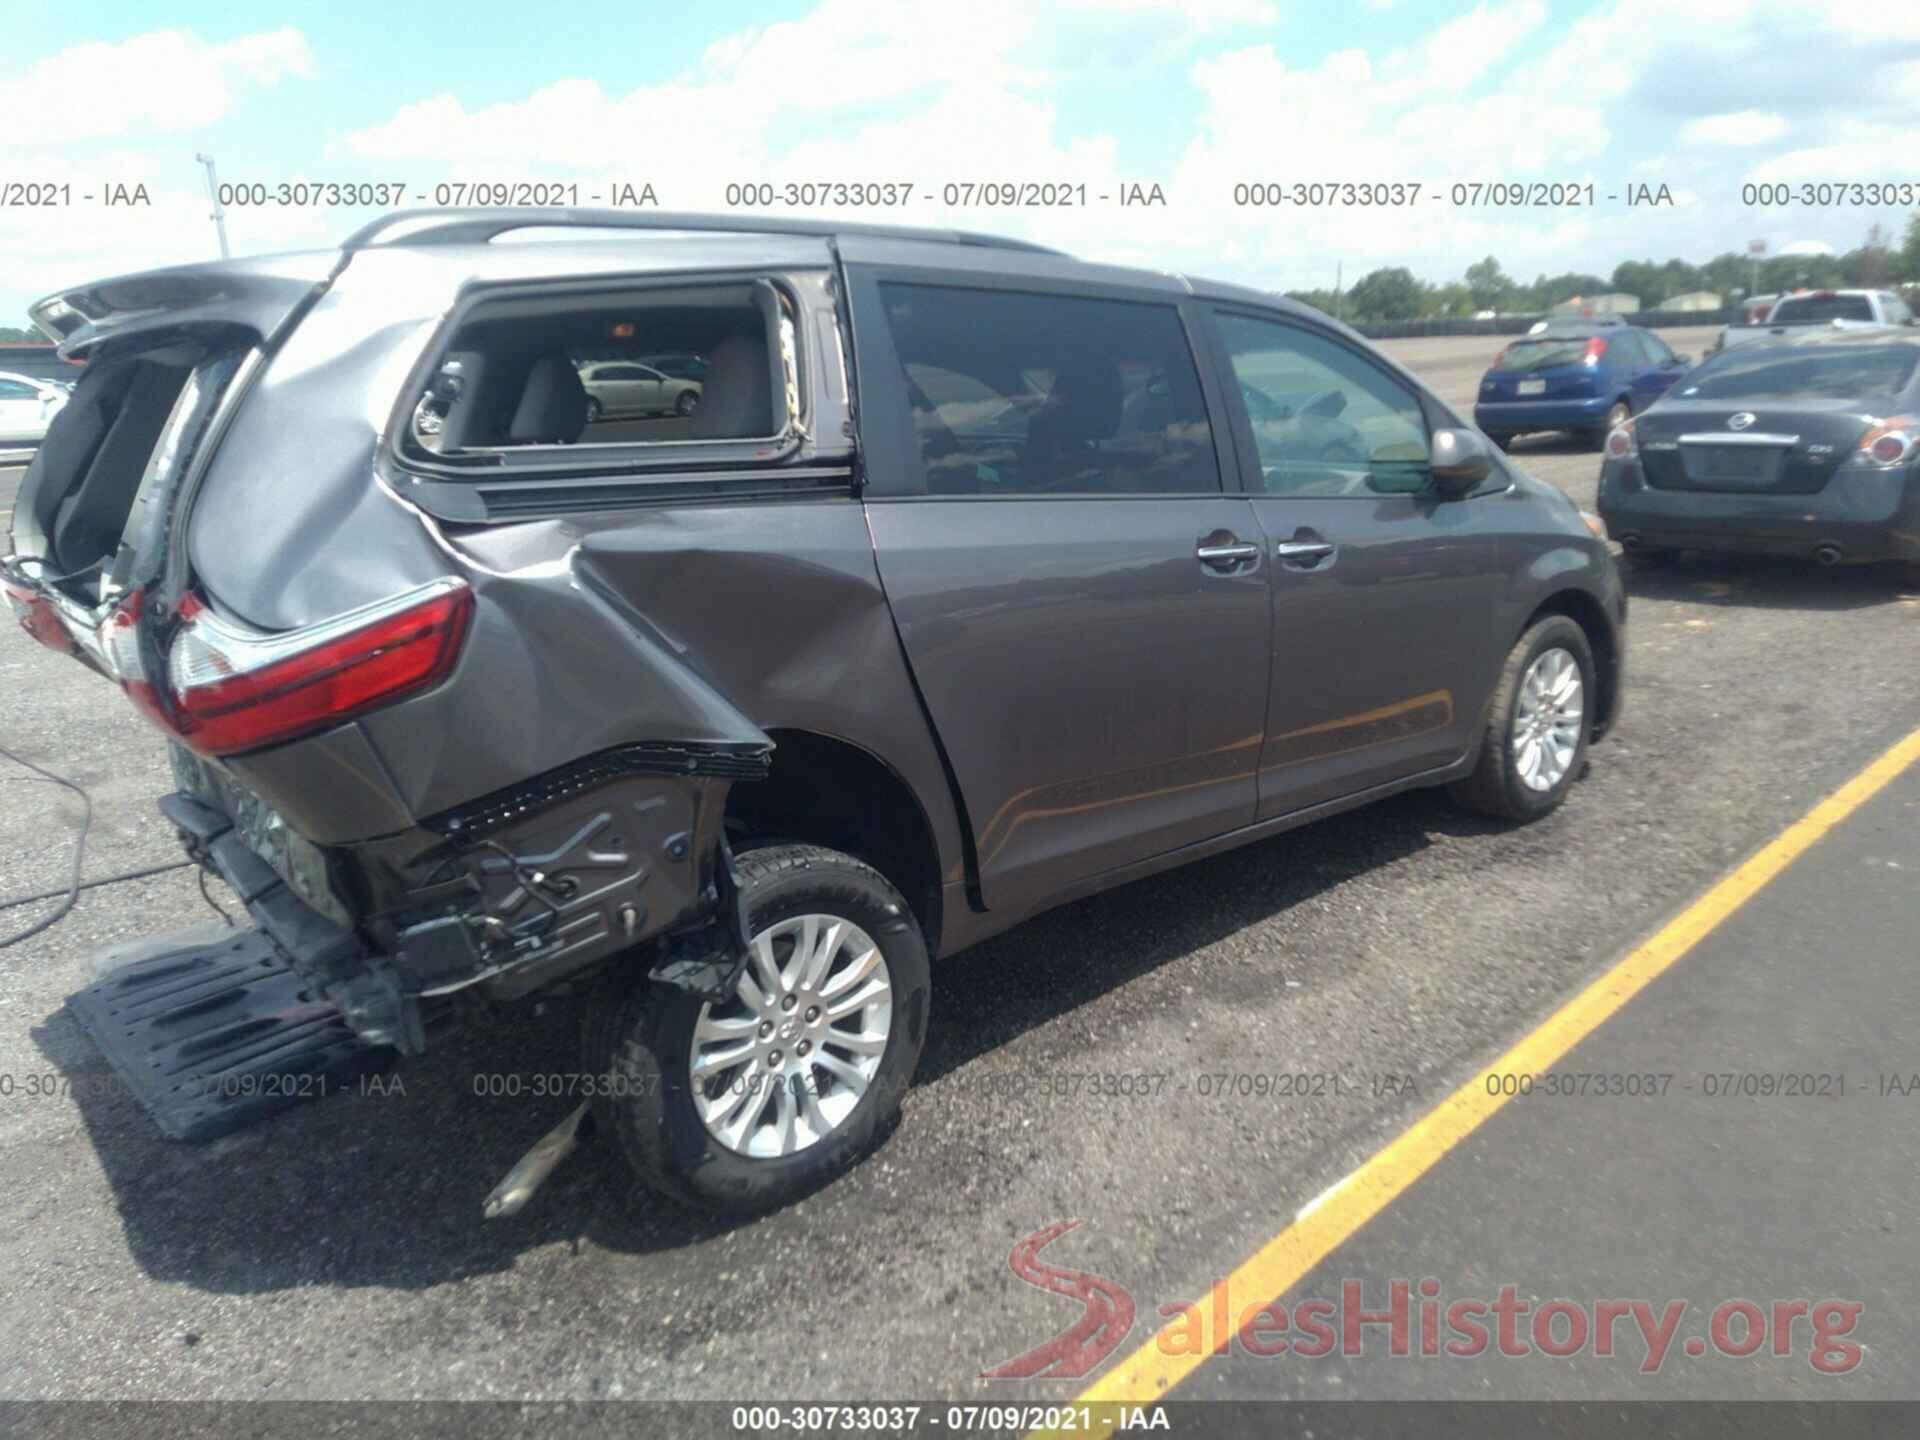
(977,579)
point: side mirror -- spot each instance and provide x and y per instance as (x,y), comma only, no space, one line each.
(1462,460)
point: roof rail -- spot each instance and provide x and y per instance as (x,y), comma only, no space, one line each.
(477,226)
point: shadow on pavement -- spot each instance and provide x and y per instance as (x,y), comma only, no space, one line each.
(1767,582)
(382,1184)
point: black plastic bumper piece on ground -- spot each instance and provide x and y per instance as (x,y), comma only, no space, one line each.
(215,1037)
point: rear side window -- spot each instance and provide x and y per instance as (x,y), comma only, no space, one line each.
(525,374)
(1325,420)
(1626,347)
(1819,309)
(1027,394)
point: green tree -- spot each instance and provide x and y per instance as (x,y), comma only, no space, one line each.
(1387,294)
(9,333)
(1491,286)
(1641,278)
(1552,289)
(1910,249)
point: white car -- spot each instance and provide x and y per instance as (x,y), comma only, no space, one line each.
(625,387)
(26,405)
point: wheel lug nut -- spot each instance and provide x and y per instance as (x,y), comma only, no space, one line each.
(813,1014)
(773,1058)
(805,1047)
(766,1028)
(788,1003)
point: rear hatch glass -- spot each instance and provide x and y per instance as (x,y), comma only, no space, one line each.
(1542,354)
(1543,367)
(1822,309)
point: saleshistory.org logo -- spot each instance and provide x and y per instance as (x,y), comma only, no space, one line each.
(1413,1320)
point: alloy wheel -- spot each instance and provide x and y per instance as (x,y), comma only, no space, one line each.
(1547,719)
(781,1065)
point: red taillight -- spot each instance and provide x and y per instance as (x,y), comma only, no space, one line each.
(234,690)
(1596,347)
(39,619)
(1889,443)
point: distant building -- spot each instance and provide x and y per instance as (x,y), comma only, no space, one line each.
(1692,300)
(1597,305)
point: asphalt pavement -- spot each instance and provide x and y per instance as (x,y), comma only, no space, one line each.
(1738,1140)
(339,1250)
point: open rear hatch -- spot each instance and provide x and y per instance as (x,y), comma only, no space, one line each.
(98,516)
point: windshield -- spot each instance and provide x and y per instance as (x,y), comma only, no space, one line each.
(1820,309)
(1829,372)
(1539,354)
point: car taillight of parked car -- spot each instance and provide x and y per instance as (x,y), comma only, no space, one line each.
(230,689)
(1596,347)
(1620,444)
(1889,444)
(38,618)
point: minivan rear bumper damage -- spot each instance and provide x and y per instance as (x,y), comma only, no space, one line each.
(507,895)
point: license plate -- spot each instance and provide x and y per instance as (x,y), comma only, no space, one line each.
(1739,467)
(1531,387)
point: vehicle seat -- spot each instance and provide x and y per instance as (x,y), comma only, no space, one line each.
(736,397)
(553,404)
(1082,408)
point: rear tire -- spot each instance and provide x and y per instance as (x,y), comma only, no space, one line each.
(641,1037)
(1616,417)
(1504,782)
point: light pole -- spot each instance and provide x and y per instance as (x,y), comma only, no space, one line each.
(219,215)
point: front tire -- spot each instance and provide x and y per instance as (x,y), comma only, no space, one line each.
(750,1105)
(1535,743)
(686,402)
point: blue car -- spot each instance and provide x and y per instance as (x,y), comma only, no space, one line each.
(1586,376)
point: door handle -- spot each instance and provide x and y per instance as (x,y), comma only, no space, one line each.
(1303,554)
(1228,556)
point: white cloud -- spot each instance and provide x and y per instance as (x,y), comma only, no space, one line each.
(164,81)
(1200,14)
(1736,127)
(902,90)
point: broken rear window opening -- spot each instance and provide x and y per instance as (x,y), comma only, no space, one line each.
(573,380)
(96,503)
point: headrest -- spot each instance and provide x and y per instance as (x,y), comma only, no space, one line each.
(553,406)
(736,396)
(1085,400)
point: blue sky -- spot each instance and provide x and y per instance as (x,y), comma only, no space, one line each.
(1194,96)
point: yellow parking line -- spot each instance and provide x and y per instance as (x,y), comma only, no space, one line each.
(1276,1267)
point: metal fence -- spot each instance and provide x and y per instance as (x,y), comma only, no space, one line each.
(1520,324)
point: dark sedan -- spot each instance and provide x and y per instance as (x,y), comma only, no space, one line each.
(1808,445)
